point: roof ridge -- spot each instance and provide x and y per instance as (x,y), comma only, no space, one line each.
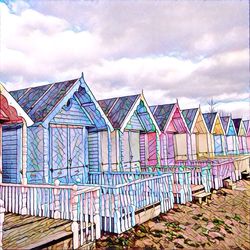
(115,97)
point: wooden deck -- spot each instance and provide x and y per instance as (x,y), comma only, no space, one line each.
(29,232)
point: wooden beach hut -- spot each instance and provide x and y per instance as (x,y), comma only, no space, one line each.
(13,139)
(198,141)
(247,128)
(61,144)
(216,133)
(231,138)
(241,133)
(173,137)
(135,139)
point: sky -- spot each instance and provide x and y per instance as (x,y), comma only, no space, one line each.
(193,51)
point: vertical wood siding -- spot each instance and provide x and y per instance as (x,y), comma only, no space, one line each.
(142,149)
(35,159)
(93,154)
(11,154)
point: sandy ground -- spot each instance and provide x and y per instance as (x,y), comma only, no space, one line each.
(223,223)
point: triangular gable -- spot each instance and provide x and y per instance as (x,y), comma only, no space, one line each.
(178,121)
(73,113)
(135,123)
(231,129)
(10,109)
(217,127)
(199,125)
(239,127)
(247,127)
(242,131)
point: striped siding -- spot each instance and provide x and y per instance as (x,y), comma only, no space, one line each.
(134,123)
(93,154)
(11,154)
(142,149)
(75,115)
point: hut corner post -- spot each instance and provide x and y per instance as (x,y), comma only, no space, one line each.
(97,219)
(2,210)
(74,225)
(1,168)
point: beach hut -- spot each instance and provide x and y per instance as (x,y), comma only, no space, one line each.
(174,132)
(241,132)
(247,127)
(198,144)
(231,137)
(61,144)
(135,139)
(13,139)
(216,133)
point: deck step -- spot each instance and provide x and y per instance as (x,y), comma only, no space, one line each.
(229,184)
(245,175)
(201,196)
(197,188)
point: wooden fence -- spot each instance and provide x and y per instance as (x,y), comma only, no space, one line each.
(119,203)
(78,204)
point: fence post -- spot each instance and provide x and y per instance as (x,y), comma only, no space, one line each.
(97,214)
(74,225)
(56,192)
(24,191)
(2,210)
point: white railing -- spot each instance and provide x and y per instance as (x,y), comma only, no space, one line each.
(119,203)
(116,178)
(78,204)
(181,181)
(2,210)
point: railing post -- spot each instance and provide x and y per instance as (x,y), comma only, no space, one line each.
(24,191)
(117,215)
(75,225)
(2,210)
(56,192)
(97,214)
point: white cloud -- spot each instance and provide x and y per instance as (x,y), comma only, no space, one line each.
(171,49)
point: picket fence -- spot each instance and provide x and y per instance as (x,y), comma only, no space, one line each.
(78,204)
(124,194)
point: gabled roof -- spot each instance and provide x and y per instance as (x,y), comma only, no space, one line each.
(120,110)
(228,125)
(117,108)
(209,119)
(38,102)
(11,108)
(42,103)
(238,124)
(189,116)
(162,114)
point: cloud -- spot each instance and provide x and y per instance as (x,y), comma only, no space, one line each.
(171,49)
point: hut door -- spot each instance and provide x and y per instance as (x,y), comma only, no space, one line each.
(218,144)
(12,153)
(152,155)
(68,154)
(170,138)
(76,156)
